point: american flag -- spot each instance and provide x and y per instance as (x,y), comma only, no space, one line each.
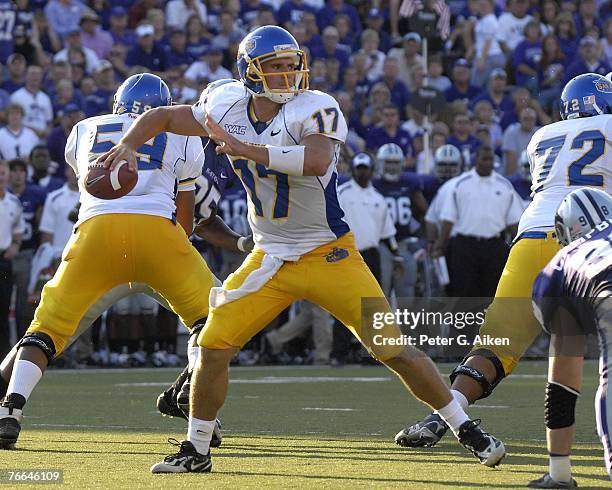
(444,21)
(409,7)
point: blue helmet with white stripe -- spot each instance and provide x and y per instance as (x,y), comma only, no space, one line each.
(266,43)
(141,92)
(581,211)
(586,95)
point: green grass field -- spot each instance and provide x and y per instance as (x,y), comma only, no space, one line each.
(288,427)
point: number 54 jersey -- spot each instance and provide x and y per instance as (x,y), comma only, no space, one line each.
(167,164)
(563,156)
(289,215)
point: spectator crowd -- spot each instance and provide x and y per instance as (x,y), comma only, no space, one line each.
(419,74)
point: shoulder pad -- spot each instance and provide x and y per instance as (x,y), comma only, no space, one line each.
(312,100)
(225,93)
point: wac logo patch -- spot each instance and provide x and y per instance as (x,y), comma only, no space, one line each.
(235,129)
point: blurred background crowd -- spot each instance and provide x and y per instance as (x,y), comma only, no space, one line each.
(481,75)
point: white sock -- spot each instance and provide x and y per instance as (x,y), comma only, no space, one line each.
(193,354)
(25,377)
(200,434)
(560,468)
(460,398)
(453,415)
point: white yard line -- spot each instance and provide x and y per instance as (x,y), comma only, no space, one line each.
(323,409)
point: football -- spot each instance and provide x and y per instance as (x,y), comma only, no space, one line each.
(105,184)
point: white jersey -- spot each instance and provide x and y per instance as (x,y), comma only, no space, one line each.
(167,164)
(17,145)
(564,156)
(289,215)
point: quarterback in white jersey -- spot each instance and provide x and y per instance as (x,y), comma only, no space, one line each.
(282,140)
(565,155)
(289,214)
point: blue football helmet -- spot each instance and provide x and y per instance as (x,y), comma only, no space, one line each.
(141,92)
(261,45)
(586,95)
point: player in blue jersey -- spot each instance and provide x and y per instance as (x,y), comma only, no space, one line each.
(572,297)
(407,207)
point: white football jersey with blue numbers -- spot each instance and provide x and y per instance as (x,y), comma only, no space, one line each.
(167,164)
(564,156)
(289,215)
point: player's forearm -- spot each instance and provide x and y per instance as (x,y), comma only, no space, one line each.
(218,234)
(316,160)
(176,119)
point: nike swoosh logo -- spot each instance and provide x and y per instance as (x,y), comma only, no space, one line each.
(288,151)
(274,134)
(223,176)
(93,181)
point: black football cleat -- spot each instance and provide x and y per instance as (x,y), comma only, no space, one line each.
(426,433)
(489,450)
(187,460)
(10,425)
(174,402)
(547,482)
(167,401)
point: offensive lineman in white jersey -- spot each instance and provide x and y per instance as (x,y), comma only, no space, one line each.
(284,151)
(120,246)
(573,153)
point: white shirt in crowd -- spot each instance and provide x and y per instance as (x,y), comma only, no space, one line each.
(91,58)
(54,221)
(482,207)
(37,107)
(17,145)
(200,70)
(511,29)
(11,219)
(367,214)
(178,13)
(487,28)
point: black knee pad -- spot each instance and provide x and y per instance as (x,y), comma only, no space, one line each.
(197,327)
(560,405)
(42,341)
(487,387)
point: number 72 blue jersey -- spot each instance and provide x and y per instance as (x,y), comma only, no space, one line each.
(564,156)
(167,164)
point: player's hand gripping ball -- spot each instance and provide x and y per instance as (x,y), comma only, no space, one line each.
(104,183)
